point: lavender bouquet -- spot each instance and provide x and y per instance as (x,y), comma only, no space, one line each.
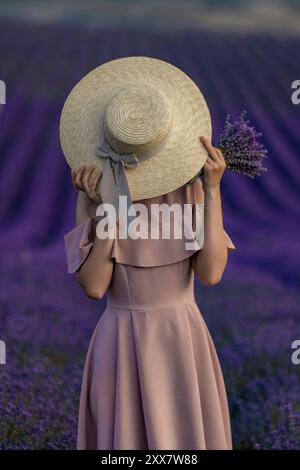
(242,151)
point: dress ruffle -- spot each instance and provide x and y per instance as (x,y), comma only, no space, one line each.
(147,252)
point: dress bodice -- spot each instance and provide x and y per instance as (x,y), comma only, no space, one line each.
(136,287)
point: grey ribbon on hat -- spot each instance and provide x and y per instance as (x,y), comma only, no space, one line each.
(113,182)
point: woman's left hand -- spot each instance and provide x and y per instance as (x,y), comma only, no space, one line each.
(214,166)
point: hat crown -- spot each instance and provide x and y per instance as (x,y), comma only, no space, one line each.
(137,118)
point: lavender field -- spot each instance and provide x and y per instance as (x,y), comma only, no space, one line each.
(253,314)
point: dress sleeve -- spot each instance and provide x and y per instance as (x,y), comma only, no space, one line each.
(78,244)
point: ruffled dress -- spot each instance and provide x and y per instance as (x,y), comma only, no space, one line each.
(152,378)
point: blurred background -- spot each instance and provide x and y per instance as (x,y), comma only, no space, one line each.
(242,55)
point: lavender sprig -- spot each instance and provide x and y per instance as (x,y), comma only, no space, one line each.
(241,148)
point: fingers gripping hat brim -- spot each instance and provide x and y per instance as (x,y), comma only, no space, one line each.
(177,162)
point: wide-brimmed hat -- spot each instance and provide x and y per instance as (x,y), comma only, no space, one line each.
(138,120)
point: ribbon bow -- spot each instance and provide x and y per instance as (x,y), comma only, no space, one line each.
(114,181)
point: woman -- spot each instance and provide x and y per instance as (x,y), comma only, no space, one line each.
(152,379)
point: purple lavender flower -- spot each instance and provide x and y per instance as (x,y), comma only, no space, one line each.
(241,148)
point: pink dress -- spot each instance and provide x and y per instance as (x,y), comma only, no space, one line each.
(152,378)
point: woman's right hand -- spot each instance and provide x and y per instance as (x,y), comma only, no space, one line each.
(83,181)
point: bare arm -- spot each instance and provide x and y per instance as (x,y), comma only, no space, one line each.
(209,263)
(94,275)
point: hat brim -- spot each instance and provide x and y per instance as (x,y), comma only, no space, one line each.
(182,157)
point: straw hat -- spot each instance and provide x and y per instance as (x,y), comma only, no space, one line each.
(138,120)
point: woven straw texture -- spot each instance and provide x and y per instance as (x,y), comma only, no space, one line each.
(144,105)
